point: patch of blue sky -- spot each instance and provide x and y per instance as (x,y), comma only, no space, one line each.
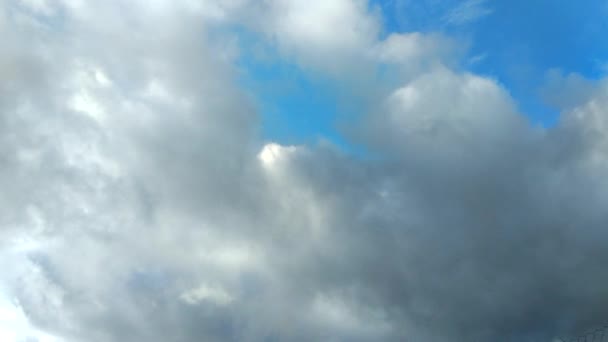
(516,41)
(297,107)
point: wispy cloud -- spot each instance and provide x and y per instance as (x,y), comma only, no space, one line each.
(467,11)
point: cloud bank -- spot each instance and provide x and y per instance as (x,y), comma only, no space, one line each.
(141,203)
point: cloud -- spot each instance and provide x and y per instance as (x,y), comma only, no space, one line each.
(565,92)
(141,204)
(467,11)
(342,29)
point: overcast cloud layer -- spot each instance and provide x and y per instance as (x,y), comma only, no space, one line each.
(139,201)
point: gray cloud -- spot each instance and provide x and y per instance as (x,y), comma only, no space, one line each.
(565,92)
(141,204)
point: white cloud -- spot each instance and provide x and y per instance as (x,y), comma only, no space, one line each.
(468,11)
(272,153)
(441,112)
(408,47)
(14,325)
(323,33)
(216,295)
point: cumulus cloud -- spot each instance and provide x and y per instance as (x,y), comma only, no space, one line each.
(140,203)
(342,29)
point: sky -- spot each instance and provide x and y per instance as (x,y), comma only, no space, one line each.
(290,170)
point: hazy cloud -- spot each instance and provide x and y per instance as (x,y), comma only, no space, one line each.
(468,11)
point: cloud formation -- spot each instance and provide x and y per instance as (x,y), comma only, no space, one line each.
(467,11)
(140,202)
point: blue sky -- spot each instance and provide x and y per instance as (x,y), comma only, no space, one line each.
(516,42)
